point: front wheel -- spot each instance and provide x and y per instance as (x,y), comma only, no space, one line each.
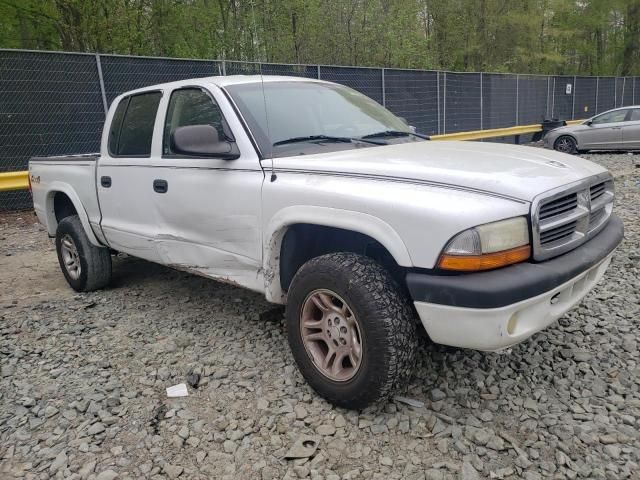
(351,330)
(565,144)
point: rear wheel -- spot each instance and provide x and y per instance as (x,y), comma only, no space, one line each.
(565,144)
(351,330)
(85,266)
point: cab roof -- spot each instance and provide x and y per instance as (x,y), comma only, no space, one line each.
(221,81)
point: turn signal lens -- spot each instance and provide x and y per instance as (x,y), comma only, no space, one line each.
(488,261)
(488,246)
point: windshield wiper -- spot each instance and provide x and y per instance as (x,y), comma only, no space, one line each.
(328,138)
(394,133)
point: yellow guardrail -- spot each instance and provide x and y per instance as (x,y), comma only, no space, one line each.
(496,132)
(492,133)
(19,180)
(14,181)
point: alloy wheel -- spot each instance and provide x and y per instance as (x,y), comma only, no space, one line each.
(70,257)
(331,335)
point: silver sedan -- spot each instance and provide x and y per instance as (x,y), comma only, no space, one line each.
(617,129)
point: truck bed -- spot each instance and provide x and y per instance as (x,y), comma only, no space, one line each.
(73,176)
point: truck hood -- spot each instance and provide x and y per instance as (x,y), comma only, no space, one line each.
(517,172)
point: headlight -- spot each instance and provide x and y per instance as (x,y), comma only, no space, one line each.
(488,246)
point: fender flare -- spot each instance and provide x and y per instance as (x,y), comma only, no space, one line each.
(52,223)
(364,223)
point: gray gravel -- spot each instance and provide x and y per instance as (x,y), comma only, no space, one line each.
(82,385)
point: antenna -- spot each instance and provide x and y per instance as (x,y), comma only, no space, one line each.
(266,116)
(264,97)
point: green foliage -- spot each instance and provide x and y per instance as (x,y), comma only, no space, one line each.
(538,36)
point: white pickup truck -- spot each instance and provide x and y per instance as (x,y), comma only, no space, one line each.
(323,200)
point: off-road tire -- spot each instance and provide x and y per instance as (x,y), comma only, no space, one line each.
(95,262)
(387,325)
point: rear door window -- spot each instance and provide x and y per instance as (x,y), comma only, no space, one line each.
(116,123)
(136,127)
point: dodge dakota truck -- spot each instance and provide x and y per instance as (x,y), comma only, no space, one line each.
(321,199)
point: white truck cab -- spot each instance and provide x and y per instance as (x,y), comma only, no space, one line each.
(323,200)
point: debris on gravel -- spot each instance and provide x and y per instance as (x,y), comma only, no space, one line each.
(84,376)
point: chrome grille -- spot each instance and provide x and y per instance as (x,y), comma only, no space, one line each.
(559,206)
(558,233)
(568,216)
(596,218)
(597,191)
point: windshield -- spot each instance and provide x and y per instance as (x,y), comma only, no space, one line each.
(304,115)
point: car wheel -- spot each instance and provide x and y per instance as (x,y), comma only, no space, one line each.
(85,266)
(565,144)
(351,330)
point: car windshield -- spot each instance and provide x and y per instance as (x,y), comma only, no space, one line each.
(311,117)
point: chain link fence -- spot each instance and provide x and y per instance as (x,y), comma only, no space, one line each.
(54,103)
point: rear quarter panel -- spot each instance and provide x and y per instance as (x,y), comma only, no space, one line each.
(73,176)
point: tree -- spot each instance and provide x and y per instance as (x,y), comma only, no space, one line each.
(529,36)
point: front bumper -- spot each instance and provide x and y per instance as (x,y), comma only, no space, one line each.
(494,310)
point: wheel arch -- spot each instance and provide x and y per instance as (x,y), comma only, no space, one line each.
(62,201)
(328,222)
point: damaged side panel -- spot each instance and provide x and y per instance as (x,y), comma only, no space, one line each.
(210,262)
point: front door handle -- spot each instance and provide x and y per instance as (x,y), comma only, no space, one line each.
(160,186)
(105,181)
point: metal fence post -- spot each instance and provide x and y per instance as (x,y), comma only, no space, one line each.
(597,88)
(624,83)
(318,72)
(615,93)
(573,105)
(224,68)
(633,90)
(548,88)
(438,94)
(101,80)
(444,104)
(481,104)
(517,98)
(553,97)
(384,93)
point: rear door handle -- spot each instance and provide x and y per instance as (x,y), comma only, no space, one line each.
(105,182)
(160,186)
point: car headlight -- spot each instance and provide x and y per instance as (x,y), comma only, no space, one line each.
(488,246)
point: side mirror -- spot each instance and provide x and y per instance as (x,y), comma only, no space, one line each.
(202,140)
(406,122)
(588,123)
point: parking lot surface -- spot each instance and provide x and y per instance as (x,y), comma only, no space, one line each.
(83,379)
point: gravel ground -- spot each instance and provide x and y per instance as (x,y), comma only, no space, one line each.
(82,385)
